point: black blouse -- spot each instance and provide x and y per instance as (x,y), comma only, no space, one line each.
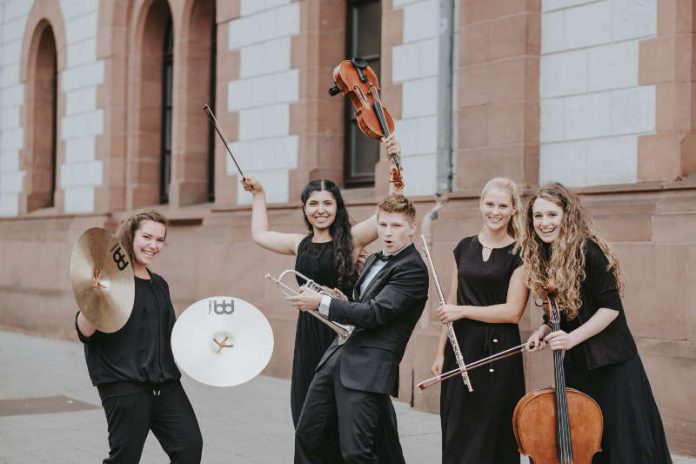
(615,343)
(140,351)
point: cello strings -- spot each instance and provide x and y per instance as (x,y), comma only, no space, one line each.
(564,444)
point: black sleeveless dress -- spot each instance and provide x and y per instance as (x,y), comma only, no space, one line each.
(477,426)
(312,337)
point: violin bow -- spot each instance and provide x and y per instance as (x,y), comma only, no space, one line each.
(224,139)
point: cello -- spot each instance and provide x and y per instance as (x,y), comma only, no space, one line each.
(558,425)
(356,80)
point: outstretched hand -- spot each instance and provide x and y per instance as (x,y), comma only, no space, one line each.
(251,185)
(392,146)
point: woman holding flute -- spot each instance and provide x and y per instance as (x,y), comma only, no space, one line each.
(491,296)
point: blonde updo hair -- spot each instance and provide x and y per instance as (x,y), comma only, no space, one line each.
(506,185)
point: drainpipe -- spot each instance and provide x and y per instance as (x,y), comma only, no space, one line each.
(445,95)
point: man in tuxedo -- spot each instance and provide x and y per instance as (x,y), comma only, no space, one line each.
(353,381)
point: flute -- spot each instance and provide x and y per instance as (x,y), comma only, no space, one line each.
(450,328)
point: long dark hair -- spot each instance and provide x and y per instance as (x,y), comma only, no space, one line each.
(339,230)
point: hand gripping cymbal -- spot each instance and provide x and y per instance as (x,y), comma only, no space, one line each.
(222,341)
(102,280)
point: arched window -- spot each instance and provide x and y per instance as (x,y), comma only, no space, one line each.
(44,104)
(363,35)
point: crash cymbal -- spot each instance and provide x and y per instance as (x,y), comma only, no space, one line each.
(222,341)
(102,279)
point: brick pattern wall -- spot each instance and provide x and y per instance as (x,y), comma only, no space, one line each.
(592,106)
(81,173)
(415,66)
(262,95)
(13,18)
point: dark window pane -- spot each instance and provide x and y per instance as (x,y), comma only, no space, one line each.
(368,19)
(167,86)
(366,154)
(363,40)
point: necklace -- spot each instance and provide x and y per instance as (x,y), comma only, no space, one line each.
(478,237)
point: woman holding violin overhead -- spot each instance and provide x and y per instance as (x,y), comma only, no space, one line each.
(601,360)
(327,254)
(491,295)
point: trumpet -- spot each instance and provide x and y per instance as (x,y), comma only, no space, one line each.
(343,330)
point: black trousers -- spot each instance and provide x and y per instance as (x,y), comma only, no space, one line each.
(358,414)
(166,411)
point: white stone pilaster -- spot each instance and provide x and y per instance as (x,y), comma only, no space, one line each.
(592,108)
(263,93)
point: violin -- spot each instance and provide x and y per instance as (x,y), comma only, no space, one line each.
(355,79)
(558,425)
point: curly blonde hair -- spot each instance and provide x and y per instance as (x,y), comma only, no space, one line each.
(563,261)
(506,185)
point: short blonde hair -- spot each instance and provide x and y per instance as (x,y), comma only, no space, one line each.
(397,203)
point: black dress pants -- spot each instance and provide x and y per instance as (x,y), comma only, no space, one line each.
(166,411)
(357,413)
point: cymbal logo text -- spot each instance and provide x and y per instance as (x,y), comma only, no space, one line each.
(118,257)
(221,307)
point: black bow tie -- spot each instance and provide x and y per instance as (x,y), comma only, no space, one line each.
(382,257)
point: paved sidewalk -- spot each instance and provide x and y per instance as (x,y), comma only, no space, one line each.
(247,424)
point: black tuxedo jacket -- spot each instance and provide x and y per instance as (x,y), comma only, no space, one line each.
(384,317)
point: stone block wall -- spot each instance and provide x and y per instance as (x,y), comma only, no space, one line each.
(593,108)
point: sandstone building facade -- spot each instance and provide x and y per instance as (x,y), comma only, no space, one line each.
(101,113)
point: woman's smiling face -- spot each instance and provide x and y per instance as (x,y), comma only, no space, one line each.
(320,209)
(148,242)
(547,218)
(496,209)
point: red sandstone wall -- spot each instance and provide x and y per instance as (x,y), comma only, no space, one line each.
(210,253)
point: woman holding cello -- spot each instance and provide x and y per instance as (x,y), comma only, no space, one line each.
(491,295)
(561,245)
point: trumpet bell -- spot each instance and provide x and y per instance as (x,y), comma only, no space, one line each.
(222,341)
(102,279)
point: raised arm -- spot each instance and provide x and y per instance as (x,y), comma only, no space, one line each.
(431,215)
(365,232)
(509,312)
(278,242)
